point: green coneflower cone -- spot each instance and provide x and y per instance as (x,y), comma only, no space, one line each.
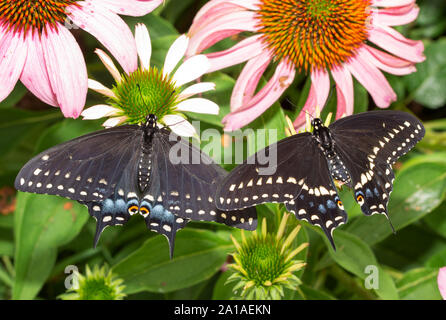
(145,92)
(98,284)
(264,264)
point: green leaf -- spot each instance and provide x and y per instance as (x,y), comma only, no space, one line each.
(437,260)
(223,290)
(14,97)
(428,83)
(312,294)
(42,223)
(157,26)
(65,130)
(430,22)
(357,257)
(419,284)
(19,131)
(418,190)
(199,254)
(436,220)
(410,248)
(6,248)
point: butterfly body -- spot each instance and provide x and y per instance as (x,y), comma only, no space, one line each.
(128,170)
(358,151)
(326,143)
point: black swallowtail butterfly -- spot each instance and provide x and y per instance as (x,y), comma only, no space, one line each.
(126,170)
(357,150)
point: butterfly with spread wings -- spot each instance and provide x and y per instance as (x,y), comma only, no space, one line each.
(122,171)
(357,150)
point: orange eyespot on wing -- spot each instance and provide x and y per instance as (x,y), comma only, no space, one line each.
(144,210)
(133,209)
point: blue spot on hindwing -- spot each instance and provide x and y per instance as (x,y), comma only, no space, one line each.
(375,191)
(331,204)
(368,193)
(322,209)
(158,212)
(108,206)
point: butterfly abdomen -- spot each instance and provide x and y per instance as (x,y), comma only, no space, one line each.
(337,169)
(144,168)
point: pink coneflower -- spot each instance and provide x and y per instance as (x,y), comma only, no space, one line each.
(337,37)
(442,282)
(37,47)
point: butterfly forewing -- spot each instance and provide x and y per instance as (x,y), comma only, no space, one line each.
(85,169)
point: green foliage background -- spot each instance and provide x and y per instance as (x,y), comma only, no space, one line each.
(44,234)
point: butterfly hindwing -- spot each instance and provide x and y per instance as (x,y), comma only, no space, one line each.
(162,221)
(186,183)
(318,201)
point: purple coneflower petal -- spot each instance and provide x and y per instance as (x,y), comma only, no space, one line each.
(204,38)
(196,89)
(281,80)
(66,70)
(35,75)
(373,80)
(113,122)
(143,45)
(396,16)
(392,3)
(99,111)
(180,126)
(135,8)
(241,52)
(198,105)
(13,51)
(192,69)
(442,282)
(248,80)
(175,54)
(392,41)
(108,63)
(388,62)
(99,21)
(344,91)
(99,87)
(320,88)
